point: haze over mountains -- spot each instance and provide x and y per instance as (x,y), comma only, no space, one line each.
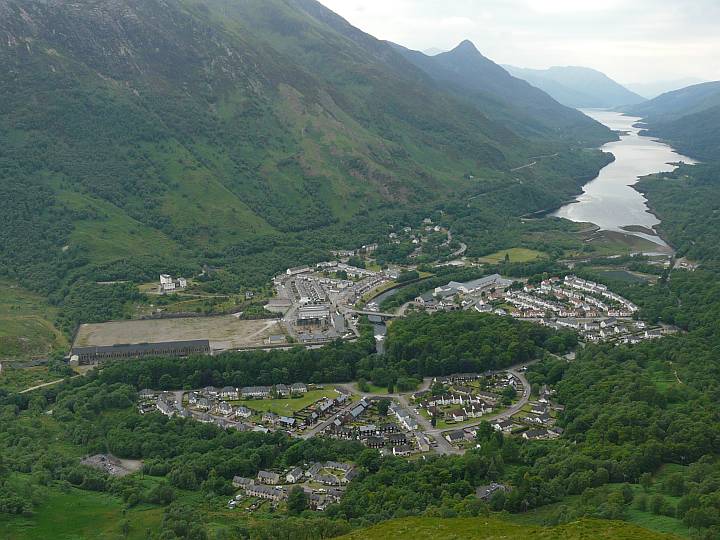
(578,87)
(652,90)
(465,72)
(141,135)
(689,118)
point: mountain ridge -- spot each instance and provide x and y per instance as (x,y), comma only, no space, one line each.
(578,87)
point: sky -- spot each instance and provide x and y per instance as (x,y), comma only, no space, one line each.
(632,41)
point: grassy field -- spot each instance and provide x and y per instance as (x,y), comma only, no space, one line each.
(26,324)
(517,255)
(224,332)
(16,379)
(78,514)
(286,407)
(496,529)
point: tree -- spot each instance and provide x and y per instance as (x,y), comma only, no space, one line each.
(646,481)
(383,406)
(297,501)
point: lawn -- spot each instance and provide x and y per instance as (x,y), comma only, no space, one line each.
(287,407)
(26,324)
(516,255)
(493,528)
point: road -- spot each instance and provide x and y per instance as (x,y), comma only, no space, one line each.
(443,446)
(504,415)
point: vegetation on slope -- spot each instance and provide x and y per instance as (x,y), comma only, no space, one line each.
(493,528)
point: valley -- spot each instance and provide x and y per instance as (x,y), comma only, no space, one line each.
(265,275)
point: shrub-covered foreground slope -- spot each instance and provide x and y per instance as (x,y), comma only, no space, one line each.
(496,529)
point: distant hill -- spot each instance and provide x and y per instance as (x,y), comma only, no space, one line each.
(689,118)
(679,103)
(578,86)
(652,90)
(507,99)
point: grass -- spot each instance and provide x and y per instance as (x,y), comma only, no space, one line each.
(26,324)
(517,255)
(286,407)
(15,379)
(495,529)
(78,514)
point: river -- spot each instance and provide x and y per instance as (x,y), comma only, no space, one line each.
(609,200)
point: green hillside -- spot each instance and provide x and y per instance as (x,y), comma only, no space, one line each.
(146,137)
(493,528)
(688,118)
(467,73)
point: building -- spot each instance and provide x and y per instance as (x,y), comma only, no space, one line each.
(266,492)
(94,355)
(485,492)
(228,392)
(295,475)
(168,284)
(299,388)
(266,477)
(241,482)
(255,392)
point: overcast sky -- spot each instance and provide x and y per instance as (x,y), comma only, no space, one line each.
(630,40)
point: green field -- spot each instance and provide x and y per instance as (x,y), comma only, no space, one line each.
(517,255)
(16,379)
(77,514)
(286,407)
(26,324)
(495,529)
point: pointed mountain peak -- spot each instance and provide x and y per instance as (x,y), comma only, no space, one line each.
(466,46)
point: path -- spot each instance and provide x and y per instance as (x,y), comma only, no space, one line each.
(51,383)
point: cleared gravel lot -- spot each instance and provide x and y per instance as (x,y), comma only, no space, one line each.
(225,332)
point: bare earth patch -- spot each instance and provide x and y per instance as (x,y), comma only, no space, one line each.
(225,332)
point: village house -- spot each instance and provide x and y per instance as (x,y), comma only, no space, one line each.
(229,392)
(404,450)
(243,412)
(295,475)
(255,392)
(241,482)
(299,388)
(282,390)
(455,436)
(267,477)
(266,492)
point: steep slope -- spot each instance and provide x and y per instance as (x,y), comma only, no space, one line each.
(469,74)
(578,86)
(139,136)
(673,105)
(688,118)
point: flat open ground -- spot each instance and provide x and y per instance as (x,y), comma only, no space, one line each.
(287,407)
(225,332)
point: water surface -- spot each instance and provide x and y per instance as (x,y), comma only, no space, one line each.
(609,200)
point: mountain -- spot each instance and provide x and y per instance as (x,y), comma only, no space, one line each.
(688,118)
(578,87)
(507,99)
(654,89)
(142,136)
(679,103)
(433,51)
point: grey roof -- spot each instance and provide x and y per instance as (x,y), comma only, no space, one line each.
(166,347)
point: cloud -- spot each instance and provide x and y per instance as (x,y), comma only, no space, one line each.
(628,39)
